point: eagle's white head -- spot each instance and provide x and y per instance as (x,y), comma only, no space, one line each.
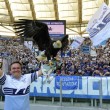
(57,44)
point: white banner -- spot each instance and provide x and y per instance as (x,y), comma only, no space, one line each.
(99,25)
(28,44)
(77,42)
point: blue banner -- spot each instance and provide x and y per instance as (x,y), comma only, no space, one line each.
(85,49)
(4,54)
(68,83)
(66,54)
(82,87)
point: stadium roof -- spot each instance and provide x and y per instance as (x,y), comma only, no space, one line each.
(77,13)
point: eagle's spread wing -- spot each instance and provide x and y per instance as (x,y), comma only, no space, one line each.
(34,29)
(39,32)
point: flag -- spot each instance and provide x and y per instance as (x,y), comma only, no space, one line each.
(28,44)
(98,27)
(77,42)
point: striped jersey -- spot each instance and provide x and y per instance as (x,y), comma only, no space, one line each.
(16,91)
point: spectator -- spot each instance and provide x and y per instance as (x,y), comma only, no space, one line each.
(107,74)
(97,73)
(19,84)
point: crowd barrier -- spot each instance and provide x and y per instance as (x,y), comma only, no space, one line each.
(72,87)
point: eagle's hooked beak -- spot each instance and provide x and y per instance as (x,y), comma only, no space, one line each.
(57,44)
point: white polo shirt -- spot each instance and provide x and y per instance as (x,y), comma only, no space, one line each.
(16,91)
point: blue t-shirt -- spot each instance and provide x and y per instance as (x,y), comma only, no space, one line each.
(16,91)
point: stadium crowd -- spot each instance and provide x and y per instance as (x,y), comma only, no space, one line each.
(78,63)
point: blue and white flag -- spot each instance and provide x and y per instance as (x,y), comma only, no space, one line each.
(85,49)
(99,25)
(68,82)
(77,42)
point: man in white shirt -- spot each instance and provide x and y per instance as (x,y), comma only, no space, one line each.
(16,87)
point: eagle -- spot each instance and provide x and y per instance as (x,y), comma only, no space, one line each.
(38,31)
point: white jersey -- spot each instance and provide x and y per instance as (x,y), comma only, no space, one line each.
(16,91)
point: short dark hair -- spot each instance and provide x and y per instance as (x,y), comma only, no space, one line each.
(17,63)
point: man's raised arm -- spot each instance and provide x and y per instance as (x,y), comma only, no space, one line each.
(1,72)
(2,76)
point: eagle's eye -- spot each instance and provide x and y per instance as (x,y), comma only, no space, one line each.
(57,44)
